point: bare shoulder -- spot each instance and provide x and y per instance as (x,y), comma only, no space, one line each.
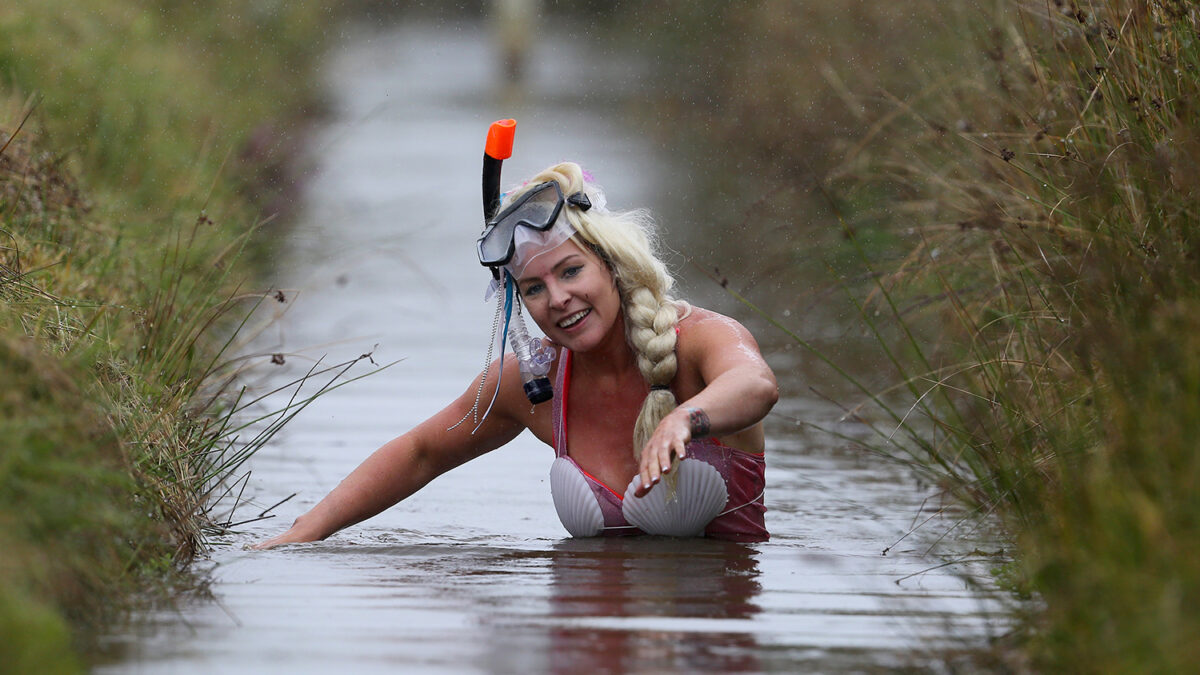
(512,402)
(711,343)
(704,328)
(511,398)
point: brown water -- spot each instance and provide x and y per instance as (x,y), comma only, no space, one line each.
(475,574)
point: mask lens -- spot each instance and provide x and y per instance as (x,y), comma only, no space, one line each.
(537,209)
(495,245)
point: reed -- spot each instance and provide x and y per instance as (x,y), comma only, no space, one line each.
(141,142)
(1006,189)
(1055,206)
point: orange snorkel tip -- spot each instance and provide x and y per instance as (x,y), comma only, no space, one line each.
(500,139)
(496,149)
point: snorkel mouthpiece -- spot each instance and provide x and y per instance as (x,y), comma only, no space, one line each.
(533,357)
(534,360)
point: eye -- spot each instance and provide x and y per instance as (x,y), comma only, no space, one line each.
(531,289)
(572,271)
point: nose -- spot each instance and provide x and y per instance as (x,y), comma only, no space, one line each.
(558,295)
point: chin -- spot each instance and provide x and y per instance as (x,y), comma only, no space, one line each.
(575,344)
(582,342)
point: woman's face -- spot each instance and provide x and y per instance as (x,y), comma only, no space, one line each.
(571,294)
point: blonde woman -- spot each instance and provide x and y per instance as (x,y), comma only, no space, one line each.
(657,406)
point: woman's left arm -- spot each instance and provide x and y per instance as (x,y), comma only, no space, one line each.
(739,390)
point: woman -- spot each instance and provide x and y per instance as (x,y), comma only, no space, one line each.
(626,353)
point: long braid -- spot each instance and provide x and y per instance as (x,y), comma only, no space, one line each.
(652,335)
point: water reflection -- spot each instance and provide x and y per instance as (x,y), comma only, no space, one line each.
(571,606)
(601,588)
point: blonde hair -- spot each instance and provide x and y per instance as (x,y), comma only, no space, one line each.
(626,241)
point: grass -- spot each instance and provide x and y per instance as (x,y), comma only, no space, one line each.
(1008,190)
(142,142)
(1055,191)
(1015,182)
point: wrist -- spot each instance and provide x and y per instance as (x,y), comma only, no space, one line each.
(698,422)
(309,528)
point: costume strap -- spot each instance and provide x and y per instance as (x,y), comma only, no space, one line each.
(562,383)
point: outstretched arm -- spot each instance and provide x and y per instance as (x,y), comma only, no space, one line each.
(406,464)
(739,390)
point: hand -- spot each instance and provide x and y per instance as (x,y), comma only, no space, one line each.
(669,441)
(297,533)
(277,540)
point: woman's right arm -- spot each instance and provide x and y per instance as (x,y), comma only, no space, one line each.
(406,464)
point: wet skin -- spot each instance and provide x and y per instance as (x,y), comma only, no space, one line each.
(606,386)
(572,296)
(607,389)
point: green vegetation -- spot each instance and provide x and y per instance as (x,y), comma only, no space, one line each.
(140,140)
(1017,182)
(1056,191)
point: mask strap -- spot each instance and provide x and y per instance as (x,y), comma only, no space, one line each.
(580,201)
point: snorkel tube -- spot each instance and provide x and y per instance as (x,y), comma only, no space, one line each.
(496,149)
(533,359)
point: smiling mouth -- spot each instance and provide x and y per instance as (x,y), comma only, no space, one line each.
(574,318)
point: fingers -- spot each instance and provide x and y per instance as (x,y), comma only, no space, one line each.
(277,540)
(652,467)
(671,438)
(656,461)
(649,478)
(294,534)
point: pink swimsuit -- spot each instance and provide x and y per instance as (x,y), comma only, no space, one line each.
(743,472)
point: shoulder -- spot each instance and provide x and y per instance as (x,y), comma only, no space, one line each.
(505,371)
(710,343)
(702,328)
(509,405)
(708,339)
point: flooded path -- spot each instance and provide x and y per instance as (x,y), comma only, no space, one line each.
(475,574)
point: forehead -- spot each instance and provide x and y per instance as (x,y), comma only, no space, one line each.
(546,261)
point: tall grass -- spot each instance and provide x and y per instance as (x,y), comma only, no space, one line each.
(1016,181)
(142,141)
(1056,205)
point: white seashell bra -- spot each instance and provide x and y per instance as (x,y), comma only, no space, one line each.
(718,490)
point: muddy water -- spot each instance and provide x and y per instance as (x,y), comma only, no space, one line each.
(475,574)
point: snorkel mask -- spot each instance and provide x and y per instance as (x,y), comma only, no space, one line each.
(537,210)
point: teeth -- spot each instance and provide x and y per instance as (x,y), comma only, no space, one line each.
(573,319)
